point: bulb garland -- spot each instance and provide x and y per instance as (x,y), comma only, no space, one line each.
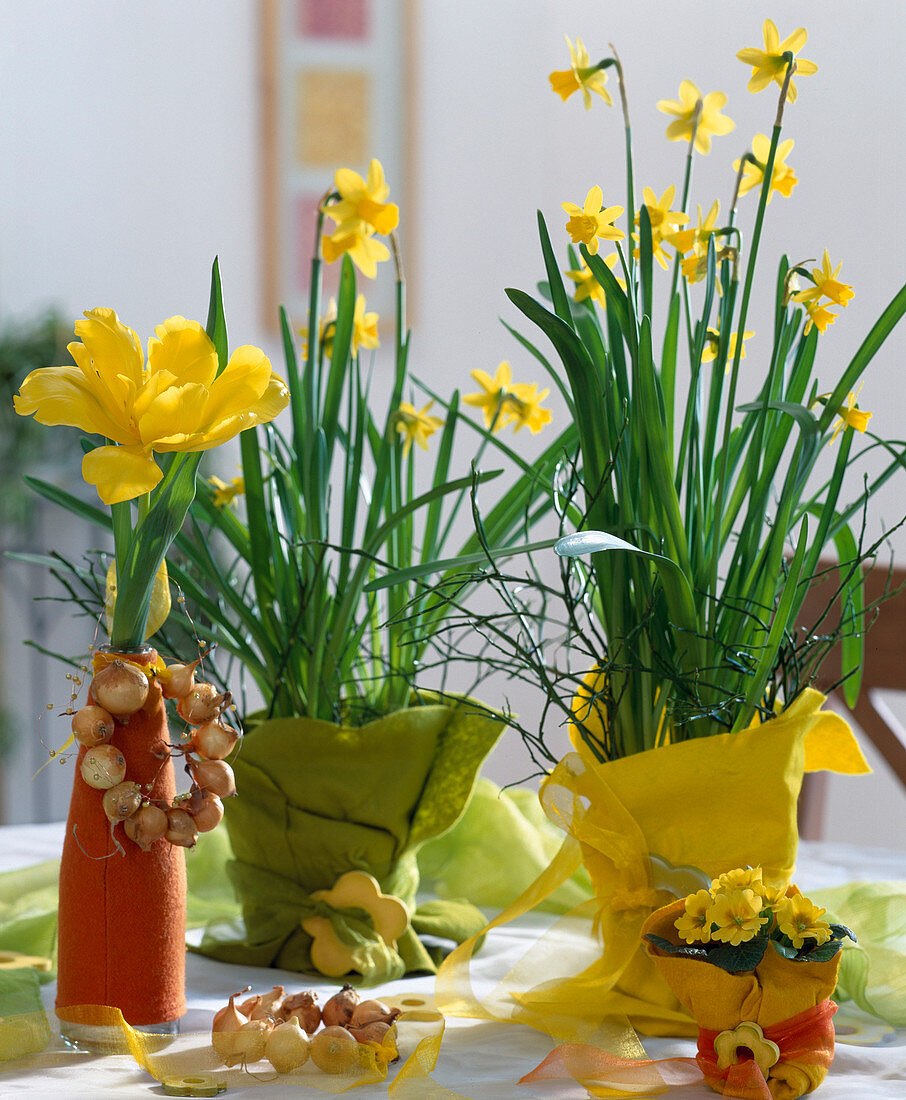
(119,690)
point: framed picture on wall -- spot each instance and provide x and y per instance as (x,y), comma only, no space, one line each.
(336,92)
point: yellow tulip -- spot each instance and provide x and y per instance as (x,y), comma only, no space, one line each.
(175,402)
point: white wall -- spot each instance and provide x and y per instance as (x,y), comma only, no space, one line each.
(131,156)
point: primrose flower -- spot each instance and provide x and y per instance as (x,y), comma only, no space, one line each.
(416,426)
(783,178)
(694,926)
(663,221)
(738,916)
(739,879)
(177,402)
(691,105)
(504,401)
(589,222)
(799,920)
(851,416)
(770,64)
(712,343)
(361,203)
(587,286)
(581,75)
(225,494)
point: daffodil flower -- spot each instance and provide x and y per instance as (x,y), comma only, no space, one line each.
(415,426)
(783,178)
(177,402)
(694,926)
(587,286)
(226,492)
(590,222)
(504,401)
(818,316)
(771,62)
(799,920)
(364,329)
(663,221)
(683,240)
(827,285)
(362,202)
(364,251)
(736,916)
(581,75)
(690,106)
(712,344)
(851,416)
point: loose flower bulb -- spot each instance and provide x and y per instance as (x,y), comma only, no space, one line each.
(103,767)
(369,1012)
(338,1010)
(265,1008)
(370,1033)
(92,726)
(304,1006)
(245,1044)
(334,1050)
(120,688)
(229,1018)
(287,1046)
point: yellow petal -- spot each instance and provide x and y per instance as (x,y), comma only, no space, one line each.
(350,184)
(114,349)
(177,416)
(245,379)
(183,348)
(120,473)
(62,395)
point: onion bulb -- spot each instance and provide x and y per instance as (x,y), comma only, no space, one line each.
(229,1018)
(202,704)
(370,1033)
(92,726)
(207,810)
(214,740)
(177,680)
(304,1006)
(334,1050)
(245,1044)
(120,688)
(264,1009)
(122,801)
(146,826)
(215,776)
(181,828)
(338,1010)
(103,767)
(368,1012)
(287,1046)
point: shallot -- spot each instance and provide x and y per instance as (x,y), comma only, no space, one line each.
(147,825)
(334,1050)
(121,688)
(338,1010)
(287,1046)
(92,726)
(103,767)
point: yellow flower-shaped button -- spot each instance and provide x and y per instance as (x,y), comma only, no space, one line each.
(747,1035)
(353,890)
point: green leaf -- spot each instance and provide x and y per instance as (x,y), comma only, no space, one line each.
(786,950)
(683,949)
(555,280)
(823,952)
(216,326)
(742,957)
(840,931)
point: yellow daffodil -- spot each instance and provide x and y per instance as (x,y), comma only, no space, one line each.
(696,240)
(589,222)
(737,915)
(664,221)
(361,202)
(416,426)
(364,251)
(712,342)
(851,416)
(691,105)
(364,329)
(827,285)
(504,401)
(783,178)
(581,75)
(819,316)
(175,403)
(694,926)
(225,493)
(799,920)
(587,286)
(770,64)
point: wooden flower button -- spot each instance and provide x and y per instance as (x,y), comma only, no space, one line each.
(748,1036)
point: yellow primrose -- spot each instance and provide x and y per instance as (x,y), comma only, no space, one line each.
(361,202)
(691,105)
(737,915)
(783,178)
(799,920)
(739,879)
(712,342)
(663,221)
(589,222)
(587,286)
(770,64)
(694,926)
(851,416)
(416,426)
(364,251)
(581,75)
(224,494)
(504,401)
(827,285)
(175,403)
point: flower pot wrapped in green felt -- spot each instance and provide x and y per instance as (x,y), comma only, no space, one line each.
(319,801)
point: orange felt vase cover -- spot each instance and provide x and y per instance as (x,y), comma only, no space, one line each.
(121,939)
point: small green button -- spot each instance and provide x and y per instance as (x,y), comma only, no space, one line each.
(198,1084)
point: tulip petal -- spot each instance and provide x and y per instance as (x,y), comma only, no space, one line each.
(177,417)
(184,349)
(61,395)
(120,473)
(115,350)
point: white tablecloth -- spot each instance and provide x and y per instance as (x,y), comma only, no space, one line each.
(482,1061)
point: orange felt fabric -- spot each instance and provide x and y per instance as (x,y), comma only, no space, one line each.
(121,939)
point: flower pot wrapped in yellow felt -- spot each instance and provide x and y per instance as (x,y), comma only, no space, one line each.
(709,804)
(755,965)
